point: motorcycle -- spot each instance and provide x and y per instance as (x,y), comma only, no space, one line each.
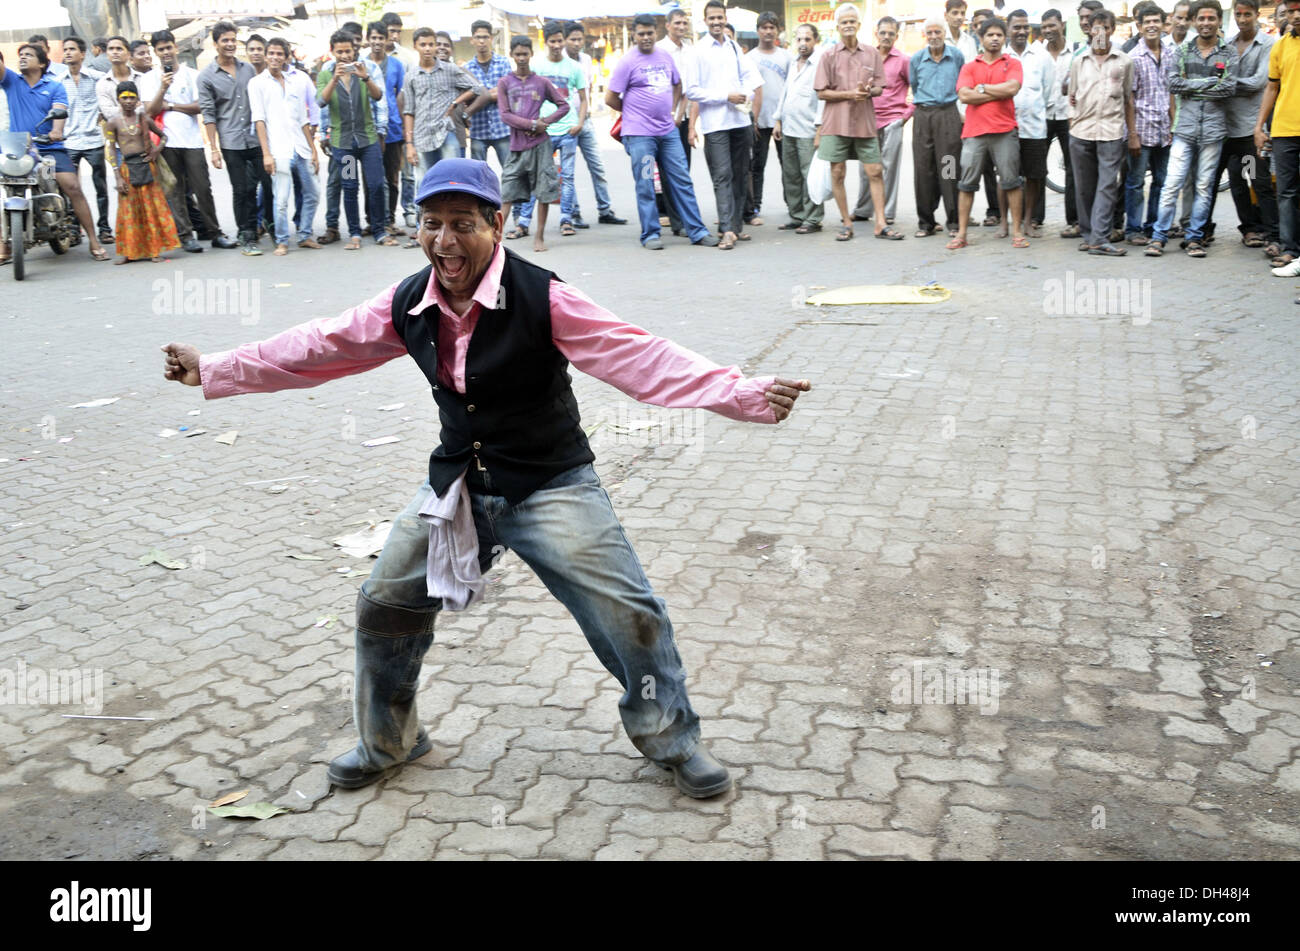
(35,211)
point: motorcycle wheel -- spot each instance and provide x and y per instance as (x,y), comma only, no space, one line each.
(16,244)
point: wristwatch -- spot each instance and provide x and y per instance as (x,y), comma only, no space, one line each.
(980,89)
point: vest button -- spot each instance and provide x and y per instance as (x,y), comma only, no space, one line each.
(470,408)
(478,445)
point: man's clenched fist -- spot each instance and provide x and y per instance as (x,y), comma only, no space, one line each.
(782,395)
(181,363)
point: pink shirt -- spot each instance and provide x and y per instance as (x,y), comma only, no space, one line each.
(647,368)
(892,105)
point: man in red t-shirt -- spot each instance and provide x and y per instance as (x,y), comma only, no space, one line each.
(988,85)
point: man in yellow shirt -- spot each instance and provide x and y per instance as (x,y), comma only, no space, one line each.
(1282,104)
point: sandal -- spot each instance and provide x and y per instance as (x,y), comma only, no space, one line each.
(726,244)
(1108,250)
(992,221)
(744,236)
(1195,249)
(807,229)
(789,226)
(956,244)
(1071,231)
(1272,250)
(99,254)
(388,242)
(519,231)
(926,232)
(889,234)
(353,245)
(1155,249)
(567,229)
(1282,260)
(1252,240)
(845,234)
(1020,242)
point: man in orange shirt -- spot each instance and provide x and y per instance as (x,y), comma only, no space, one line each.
(988,85)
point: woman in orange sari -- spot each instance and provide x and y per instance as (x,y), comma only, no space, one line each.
(145,227)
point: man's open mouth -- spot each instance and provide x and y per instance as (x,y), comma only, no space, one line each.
(452,265)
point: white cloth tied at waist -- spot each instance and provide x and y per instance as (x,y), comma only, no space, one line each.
(452,572)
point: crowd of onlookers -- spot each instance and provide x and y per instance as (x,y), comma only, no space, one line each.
(1147,129)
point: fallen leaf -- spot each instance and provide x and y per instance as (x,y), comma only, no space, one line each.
(156,556)
(228,798)
(255,810)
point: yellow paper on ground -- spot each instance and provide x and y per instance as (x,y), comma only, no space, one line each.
(882,294)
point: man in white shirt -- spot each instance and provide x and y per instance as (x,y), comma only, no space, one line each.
(1058,50)
(773,64)
(278,101)
(797,117)
(120,71)
(729,90)
(170,94)
(677,44)
(1031,116)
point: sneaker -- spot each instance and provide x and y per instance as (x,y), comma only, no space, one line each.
(611,219)
(411,222)
(708,241)
(1289,270)
(249,249)
(654,244)
(577,222)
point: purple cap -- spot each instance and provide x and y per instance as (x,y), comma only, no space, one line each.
(468,176)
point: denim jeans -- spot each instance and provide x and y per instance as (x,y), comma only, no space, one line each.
(448,149)
(591,155)
(568,534)
(666,150)
(367,161)
(1188,161)
(1155,158)
(282,183)
(95,159)
(478,149)
(568,148)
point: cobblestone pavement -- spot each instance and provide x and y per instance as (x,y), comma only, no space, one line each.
(1089,516)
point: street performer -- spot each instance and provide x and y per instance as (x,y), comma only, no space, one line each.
(494,334)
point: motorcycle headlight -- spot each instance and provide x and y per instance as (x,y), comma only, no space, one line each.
(16,167)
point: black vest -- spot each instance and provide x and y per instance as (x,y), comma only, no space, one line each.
(517,418)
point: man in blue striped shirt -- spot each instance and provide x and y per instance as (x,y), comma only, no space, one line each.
(936,130)
(487,130)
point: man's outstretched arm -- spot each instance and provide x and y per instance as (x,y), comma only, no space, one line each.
(655,370)
(309,354)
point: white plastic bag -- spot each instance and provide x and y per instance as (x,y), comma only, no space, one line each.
(819,180)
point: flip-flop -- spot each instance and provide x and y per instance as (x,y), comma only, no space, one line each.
(744,237)
(846,234)
(1108,250)
(889,234)
(1021,242)
(956,244)
(726,244)
(807,229)
(100,255)
(519,231)
(1155,249)
(567,229)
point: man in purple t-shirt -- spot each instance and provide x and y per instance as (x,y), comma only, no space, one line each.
(646,87)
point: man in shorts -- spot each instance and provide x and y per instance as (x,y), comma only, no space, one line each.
(530,170)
